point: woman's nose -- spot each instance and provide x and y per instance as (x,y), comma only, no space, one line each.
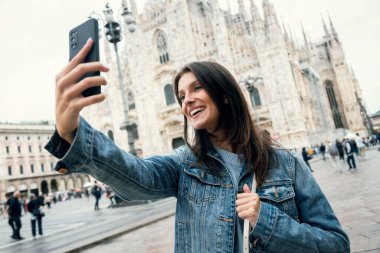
(188,99)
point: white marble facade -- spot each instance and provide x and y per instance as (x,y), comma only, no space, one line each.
(308,93)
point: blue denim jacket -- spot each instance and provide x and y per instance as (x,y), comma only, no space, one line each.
(295,215)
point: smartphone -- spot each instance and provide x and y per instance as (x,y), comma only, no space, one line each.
(78,37)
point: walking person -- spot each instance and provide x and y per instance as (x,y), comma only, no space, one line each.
(36,214)
(15,214)
(96,191)
(333,152)
(8,196)
(306,157)
(322,150)
(350,155)
(229,175)
(340,148)
(361,146)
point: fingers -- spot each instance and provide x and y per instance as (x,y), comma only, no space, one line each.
(77,89)
(75,74)
(77,59)
(246,189)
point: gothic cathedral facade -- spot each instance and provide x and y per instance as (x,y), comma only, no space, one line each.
(301,94)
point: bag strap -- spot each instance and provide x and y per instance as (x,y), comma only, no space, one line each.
(247,225)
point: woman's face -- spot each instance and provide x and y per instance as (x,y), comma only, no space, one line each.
(199,109)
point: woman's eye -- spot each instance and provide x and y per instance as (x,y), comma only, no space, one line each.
(198,87)
(181,98)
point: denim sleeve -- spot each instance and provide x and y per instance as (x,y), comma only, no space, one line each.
(132,178)
(318,230)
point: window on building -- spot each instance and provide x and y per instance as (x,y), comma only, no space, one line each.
(10,170)
(30,149)
(131,101)
(40,148)
(162,48)
(18,138)
(39,137)
(7,148)
(6,138)
(42,167)
(333,104)
(255,96)
(28,137)
(21,170)
(52,166)
(19,149)
(169,94)
(32,168)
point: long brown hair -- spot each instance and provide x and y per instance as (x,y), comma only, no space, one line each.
(234,119)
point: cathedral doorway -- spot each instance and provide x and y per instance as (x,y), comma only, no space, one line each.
(333,104)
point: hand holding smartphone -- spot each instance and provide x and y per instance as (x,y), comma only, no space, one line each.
(78,37)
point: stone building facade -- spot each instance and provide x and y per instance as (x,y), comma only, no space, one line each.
(26,166)
(303,94)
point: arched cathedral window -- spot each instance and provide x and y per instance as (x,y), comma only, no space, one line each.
(255,96)
(169,94)
(162,47)
(333,104)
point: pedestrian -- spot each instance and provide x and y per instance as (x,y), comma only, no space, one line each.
(97,193)
(15,214)
(36,214)
(340,148)
(8,197)
(359,142)
(212,176)
(110,194)
(350,154)
(322,150)
(333,152)
(306,157)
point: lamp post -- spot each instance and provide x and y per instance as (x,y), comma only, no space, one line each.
(113,35)
(249,83)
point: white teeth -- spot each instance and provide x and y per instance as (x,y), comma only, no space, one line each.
(199,109)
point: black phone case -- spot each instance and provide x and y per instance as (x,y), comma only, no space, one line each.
(78,37)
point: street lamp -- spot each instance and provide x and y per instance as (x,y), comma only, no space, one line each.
(250,83)
(113,35)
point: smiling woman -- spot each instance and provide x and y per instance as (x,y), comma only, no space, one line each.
(211,176)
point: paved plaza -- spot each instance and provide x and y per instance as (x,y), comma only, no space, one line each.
(75,226)
(354,195)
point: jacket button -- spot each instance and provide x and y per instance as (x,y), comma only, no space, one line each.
(63,170)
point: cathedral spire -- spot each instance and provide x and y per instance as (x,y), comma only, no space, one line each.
(304,37)
(242,9)
(257,23)
(270,15)
(324,25)
(286,36)
(332,25)
(133,7)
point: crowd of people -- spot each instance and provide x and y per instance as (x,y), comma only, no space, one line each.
(346,150)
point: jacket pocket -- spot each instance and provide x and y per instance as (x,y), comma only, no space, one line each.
(199,186)
(281,195)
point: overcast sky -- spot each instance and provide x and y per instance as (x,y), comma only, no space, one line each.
(34,45)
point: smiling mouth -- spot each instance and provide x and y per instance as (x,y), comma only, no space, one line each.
(196,111)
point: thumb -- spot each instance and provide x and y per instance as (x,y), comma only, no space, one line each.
(246,189)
